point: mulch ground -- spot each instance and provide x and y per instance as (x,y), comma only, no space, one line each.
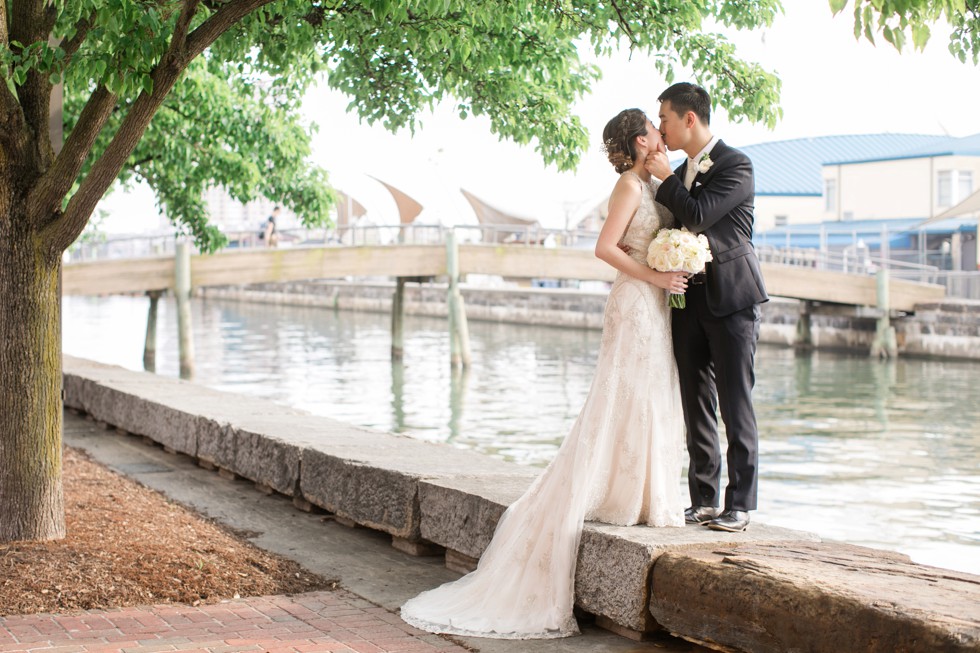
(128,545)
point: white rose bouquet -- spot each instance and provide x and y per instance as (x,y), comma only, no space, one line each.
(678,250)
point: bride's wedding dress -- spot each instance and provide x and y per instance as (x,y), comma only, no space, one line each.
(621,463)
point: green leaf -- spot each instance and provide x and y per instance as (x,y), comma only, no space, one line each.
(920,36)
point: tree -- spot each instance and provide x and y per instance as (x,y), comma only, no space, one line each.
(190,93)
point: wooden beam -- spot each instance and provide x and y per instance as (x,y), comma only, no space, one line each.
(533,262)
(118,276)
(839,288)
(291,264)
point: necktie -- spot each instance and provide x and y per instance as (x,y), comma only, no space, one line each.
(690,173)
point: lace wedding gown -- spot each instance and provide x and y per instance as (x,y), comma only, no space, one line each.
(620,464)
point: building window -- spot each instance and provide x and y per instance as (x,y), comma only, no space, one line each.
(830,195)
(944,188)
(965,183)
(782,220)
(953,186)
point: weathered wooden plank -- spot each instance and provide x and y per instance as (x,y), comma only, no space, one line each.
(118,276)
(271,265)
(838,287)
(533,262)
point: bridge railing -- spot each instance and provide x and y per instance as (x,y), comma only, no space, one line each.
(962,284)
(853,260)
(409,234)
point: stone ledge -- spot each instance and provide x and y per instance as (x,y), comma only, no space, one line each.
(615,563)
(461,513)
(815,597)
(612,579)
(731,590)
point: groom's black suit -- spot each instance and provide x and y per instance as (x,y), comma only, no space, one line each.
(715,335)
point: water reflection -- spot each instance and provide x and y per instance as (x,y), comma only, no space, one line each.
(881,453)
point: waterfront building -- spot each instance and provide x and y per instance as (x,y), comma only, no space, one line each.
(892,194)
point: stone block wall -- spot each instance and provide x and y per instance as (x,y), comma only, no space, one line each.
(944,329)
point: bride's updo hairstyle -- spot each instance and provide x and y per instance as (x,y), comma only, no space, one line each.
(619,138)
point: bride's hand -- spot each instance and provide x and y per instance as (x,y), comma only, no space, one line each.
(673,282)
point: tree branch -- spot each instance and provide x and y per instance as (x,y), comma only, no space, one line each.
(27,21)
(4,27)
(27,25)
(45,198)
(50,17)
(141,162)
(219,23)
(623,23)
(64,229)
(71,46)
(179,39)
(10,113)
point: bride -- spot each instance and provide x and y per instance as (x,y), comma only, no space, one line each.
(620,463)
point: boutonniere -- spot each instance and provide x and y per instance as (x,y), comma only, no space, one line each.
(705,163)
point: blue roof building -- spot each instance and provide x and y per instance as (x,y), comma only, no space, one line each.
(879,189)
(794,167)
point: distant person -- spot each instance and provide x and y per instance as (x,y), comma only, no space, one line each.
(621,461)
(271,232)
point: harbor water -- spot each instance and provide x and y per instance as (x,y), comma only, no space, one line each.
(878,453)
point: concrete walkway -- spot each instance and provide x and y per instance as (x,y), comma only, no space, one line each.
(362,617)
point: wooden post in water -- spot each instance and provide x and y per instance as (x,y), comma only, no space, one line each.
(884,345)
(804,333)
(459,333)
(150,345)
(397,320)
(182,292)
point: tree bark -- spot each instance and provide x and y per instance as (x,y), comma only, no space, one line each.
(31,503)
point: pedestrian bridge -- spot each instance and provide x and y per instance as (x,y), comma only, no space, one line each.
(514,261)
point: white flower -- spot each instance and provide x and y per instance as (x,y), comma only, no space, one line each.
(678,250)
(705,163)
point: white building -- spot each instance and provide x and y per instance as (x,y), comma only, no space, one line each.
(879,190)
(861,177)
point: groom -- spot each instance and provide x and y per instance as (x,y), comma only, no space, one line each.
(715,335)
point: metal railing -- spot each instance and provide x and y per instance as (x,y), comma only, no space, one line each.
(410,234)
(961,284)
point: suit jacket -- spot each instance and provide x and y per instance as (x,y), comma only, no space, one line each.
(720,205)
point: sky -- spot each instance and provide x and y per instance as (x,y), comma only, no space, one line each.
(832,84)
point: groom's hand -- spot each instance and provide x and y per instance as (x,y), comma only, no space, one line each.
(658,165)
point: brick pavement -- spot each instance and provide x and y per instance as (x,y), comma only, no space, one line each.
(336,621)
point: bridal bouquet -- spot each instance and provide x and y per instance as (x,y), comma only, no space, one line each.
(678,250)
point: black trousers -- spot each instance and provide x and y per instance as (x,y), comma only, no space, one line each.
(715,361)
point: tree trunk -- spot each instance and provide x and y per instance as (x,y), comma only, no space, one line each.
(31,503)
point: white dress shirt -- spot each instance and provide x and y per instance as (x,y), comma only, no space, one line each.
(692,164)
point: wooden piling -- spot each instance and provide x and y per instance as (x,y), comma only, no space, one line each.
(397,320)
(804,332)
(150,344)
(182,293)
(459,334)
(885,345)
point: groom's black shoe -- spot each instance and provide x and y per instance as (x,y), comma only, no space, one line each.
(733,521)
(701,514)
